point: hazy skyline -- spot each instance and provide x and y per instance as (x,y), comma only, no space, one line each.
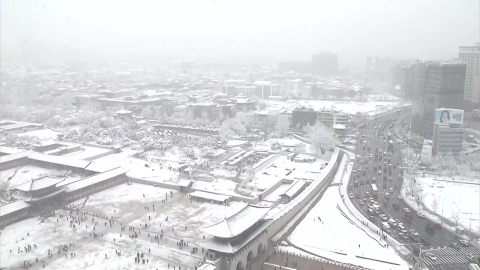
(215,29)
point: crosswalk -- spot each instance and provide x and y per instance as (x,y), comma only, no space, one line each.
(449,256)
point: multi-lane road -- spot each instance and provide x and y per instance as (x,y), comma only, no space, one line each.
(385,171)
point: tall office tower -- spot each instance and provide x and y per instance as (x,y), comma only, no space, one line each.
(436,85)
(470,55)
(325,64)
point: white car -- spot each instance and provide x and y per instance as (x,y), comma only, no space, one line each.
(431,256)
(383,217)
(464,242)
(351,196)
(421,214)
(406,209)
(391,190)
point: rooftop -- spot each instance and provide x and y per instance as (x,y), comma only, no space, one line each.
(237,223)
(66,161)
(38,184)
(85,182)
(294,188)
(12,207)
(210,196)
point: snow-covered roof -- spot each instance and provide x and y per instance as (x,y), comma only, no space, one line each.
(232,247)
(238,222)
(8,158)
(338,126)
(210,196)
(12,207)
(38,184)
(294,188)
(60,160)
(207,267)
(9,150)
(100,167)
(85,182)
(184,182)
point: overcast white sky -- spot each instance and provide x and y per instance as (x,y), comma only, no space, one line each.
(277,29)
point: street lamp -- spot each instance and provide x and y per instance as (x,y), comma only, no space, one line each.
(443,205)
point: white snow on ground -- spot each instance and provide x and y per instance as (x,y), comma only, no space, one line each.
(124,199)
(126,203)
(87,152)
(155,171)
(42,235)
(461,198)
(299,170)
(336,234)
(43,134)
(92,256)
(222,186)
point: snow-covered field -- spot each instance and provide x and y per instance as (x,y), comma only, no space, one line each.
(298,170)
(88,152)
(452,198)
(42,134)
(92,256)
(126,203)
(183,219)
(30,232)
(336,238)
(218,185)
(156,171)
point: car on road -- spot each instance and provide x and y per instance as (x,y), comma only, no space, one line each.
(431,256)
(455,245)
(371,200)
(464,242)
(390,190)
(387,195)
(421,214)
(351,196)
(367,193)
(401,228)
(404,236)
(383,217)
(406,209)
(471,258)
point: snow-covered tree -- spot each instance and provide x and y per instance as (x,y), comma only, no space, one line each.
(455,217)
(262,104)
(321,137)
(282,125)
(147,112)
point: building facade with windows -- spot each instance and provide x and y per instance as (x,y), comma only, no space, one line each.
(436,85)
(470,55)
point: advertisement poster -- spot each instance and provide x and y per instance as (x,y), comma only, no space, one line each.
(449,116)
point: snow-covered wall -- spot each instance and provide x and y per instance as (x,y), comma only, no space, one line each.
(299,203)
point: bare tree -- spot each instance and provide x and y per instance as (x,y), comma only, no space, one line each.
(435,205)
(418,194)
(455,217)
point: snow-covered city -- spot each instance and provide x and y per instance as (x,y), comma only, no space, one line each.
(155,153)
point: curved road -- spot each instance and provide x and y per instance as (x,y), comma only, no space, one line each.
(368,169)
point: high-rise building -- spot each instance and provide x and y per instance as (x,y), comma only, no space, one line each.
(436,85)
(470,55)
(325,64)
(448,131)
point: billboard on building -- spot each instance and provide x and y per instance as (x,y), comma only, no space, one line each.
(449,116)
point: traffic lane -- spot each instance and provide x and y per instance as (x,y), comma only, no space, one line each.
(416,224)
